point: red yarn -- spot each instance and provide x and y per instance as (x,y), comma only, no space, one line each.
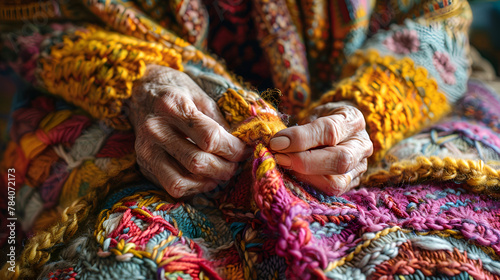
(27,119)
(66,132)
(118,145)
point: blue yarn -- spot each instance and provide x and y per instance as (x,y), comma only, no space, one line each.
(184,223)
(450,204)
(22,97)
(236,227)
(115,197)
(322,197)
(418,275)
(61,104)
(431,40)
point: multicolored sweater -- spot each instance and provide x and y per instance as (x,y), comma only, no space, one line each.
(426,207)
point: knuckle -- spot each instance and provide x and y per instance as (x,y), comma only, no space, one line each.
(337,185)
(166,75)
(342,182)
(176,188)
(345,161)
(331,128)
(366,143)
(210,141)
(361,119)
(186,110)
(141,148)
(149,127)
(181,76)
(197,163)
(356,182)
(150,176)
(356,112)
(370,149)
(365,136)
(301,162)
(144,160)
(167,103)
(154,130)
(341,185)
(355,116)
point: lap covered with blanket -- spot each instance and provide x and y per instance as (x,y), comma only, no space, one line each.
(426,207)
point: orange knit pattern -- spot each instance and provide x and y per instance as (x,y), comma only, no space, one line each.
(397,97)
(95,70)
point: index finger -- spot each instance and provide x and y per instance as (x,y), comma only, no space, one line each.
(325,131)
(208,135)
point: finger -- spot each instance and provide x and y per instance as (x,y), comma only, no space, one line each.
(204,131)
(329,160)
(325,131)
(190,156)
(208,107)
(335,184)
(173,178)
(183,84)
(325,110)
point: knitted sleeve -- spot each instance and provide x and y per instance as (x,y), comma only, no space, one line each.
(93,67)
(89,67)
(407,76)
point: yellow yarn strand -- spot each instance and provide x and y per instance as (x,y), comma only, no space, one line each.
(479,177)
(234,106)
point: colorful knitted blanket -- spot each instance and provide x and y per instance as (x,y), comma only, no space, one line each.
(76,206)
(430,217)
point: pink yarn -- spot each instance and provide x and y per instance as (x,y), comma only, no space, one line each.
(305,257)
(439,208)
(445,67)
(403,42)
(476,132)
(29,51)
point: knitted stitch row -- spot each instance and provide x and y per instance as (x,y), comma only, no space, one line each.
(396,97)
(61,159)
(95,69)
(287,209)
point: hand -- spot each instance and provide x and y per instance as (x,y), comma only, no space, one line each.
(166,109)
(329,151)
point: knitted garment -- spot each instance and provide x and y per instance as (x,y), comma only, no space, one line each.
(425,209)
(264,224)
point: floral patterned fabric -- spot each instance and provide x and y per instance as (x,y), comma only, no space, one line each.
(427,206)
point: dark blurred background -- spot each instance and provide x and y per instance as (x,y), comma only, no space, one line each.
(485,30)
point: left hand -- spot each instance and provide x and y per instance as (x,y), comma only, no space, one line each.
(329,150)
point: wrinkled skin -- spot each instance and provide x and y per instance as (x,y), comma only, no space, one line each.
(182,142)
(329,149)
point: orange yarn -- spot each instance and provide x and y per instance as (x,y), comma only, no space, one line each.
(40,167)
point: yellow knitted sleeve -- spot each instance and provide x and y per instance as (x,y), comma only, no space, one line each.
(95,70)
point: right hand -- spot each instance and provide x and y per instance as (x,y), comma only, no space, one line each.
(167,108)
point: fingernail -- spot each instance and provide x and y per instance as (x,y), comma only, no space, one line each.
(279,143)
(283,160)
